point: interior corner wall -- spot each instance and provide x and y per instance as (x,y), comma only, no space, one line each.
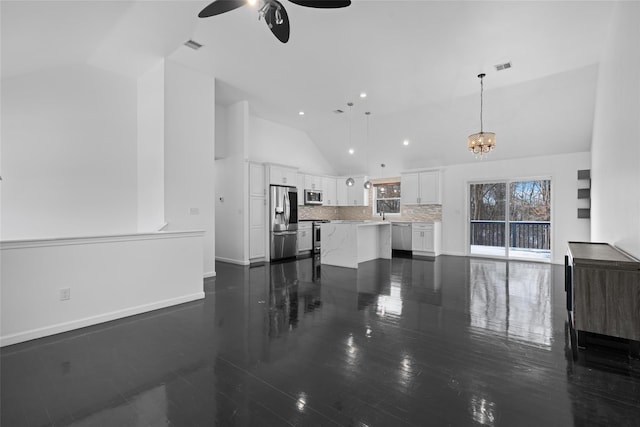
(189,168)
(562,169)
(151,149)
(271,142)
(68,154)
(615,151)
(232,222)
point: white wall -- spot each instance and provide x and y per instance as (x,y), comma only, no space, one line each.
(562,169)
(615,170)
(109,278)
(68,154)
(189,168)
(270,142)
(151,149)
(232,223)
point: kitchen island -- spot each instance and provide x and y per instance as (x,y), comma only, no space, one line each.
(348,243)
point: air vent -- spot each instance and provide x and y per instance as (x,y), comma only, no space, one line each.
(504,66)
(193,44)
(338,111)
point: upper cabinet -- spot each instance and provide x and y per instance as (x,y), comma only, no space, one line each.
(257,187)
(356,195)
(329,194)
(421,188)
(341,192)
(301,177)
(283,175)
(313,182)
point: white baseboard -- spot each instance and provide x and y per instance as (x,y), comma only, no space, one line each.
(209,274)
(232,261)
(94,320)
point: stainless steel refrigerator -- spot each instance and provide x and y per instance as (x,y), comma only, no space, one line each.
(283,219)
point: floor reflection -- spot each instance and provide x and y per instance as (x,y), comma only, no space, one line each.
(452,341)
(512,299)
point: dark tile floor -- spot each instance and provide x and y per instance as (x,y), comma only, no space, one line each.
(457,341)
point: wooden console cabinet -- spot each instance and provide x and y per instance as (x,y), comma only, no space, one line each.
(603,288)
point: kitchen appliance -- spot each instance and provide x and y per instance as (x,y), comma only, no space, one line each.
(401,238)
(312,197)
(283,219)
(316,235)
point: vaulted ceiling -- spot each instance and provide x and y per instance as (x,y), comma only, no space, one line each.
(416,60)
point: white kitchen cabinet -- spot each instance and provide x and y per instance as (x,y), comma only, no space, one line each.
(421,188)
(305,236)
(257,187)
(313,182)
(257,211)
(357,195)
(409,188)
(301,179)
(283,175)
(426,238)
(329,193)
(341,191)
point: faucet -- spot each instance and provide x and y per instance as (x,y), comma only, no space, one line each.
(382,213)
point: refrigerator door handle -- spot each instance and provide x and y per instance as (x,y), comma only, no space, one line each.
(287,208)
(284,233)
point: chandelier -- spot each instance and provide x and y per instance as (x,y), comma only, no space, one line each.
(482,142)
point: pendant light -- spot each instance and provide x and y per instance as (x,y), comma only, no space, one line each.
(483,142)
(350,181)
(367,183)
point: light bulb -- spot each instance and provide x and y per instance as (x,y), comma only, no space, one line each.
(350,182)
(252,2)
(367,185)
(351,151)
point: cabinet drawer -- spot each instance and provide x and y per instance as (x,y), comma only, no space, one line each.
(422,226)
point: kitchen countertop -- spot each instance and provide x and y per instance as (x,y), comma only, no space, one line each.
(348,243)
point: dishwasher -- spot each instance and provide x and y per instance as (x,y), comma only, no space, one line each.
(401,236)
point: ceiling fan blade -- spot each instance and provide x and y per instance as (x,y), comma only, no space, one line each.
(220,6)
(322,4)
(278,21)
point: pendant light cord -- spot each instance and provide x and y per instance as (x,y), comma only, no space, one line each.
(481,92)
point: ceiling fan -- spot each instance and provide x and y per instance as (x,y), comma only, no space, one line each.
(272,11)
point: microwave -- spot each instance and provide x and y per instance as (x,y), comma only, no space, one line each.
(312,197)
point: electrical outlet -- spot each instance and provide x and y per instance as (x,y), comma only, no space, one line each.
(65,294)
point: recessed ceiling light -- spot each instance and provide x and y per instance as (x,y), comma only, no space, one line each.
(363,95)
(351,151)
(193,44)
(405,142)
(301,113)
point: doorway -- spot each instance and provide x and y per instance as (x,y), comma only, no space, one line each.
(510,219)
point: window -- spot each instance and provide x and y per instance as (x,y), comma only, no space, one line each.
(386,198)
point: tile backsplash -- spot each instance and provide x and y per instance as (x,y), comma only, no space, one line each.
(407,213)
(318,212)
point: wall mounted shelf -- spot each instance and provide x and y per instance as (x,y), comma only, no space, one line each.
(584,193)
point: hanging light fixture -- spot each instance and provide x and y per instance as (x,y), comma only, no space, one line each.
(350,181)
(483,142)
(367,183)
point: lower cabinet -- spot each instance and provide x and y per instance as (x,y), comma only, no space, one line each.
(305,237)
(426,238)
(257,224)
